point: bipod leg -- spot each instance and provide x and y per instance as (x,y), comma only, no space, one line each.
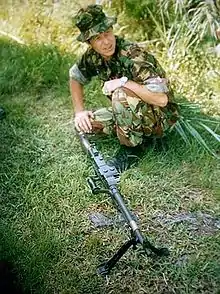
(104,268)
(158,251)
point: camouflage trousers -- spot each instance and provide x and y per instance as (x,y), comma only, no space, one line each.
(130,119)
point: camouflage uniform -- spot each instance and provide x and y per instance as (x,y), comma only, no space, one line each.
(129,118)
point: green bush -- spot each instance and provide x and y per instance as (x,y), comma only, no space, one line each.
(31,67)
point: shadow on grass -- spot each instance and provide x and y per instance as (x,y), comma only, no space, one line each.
(9,281)
(32,232)
(28,238)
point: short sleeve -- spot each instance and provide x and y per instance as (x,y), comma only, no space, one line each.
(145,64)
(76,74)
(84,69)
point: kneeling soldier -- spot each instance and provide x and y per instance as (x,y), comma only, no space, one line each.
(133,80)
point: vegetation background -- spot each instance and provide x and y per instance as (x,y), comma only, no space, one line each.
(44,200)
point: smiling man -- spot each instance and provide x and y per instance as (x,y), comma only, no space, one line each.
(132,79)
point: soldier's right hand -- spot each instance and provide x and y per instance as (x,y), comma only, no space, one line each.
(82,121)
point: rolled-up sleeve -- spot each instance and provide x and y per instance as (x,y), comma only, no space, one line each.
(145,64)
(76,74)
(147,70)
(85,68)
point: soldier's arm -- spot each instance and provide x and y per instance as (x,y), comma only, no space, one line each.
(76,90)
(149,81)
(82,116)
(154,98)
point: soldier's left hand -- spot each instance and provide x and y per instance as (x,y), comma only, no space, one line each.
(111,86)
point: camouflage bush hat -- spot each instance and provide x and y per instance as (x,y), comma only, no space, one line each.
(92,21)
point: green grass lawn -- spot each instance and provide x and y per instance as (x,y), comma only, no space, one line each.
(45,202)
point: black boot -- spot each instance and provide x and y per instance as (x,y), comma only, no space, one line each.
(2,113)
(160,145)
(126,157)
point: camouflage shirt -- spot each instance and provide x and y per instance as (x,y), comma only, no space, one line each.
(128,60)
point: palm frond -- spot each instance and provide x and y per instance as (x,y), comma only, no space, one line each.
(181,132)
(216,136)
(211,121)
(159,28)
(196,136)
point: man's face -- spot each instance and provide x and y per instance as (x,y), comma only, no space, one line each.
(104,43)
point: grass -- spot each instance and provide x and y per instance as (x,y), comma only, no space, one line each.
(36,67)
(45,201)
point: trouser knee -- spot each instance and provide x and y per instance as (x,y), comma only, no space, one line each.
(119,96)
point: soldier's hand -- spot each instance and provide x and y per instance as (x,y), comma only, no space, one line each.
(111,86)
(82,121)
